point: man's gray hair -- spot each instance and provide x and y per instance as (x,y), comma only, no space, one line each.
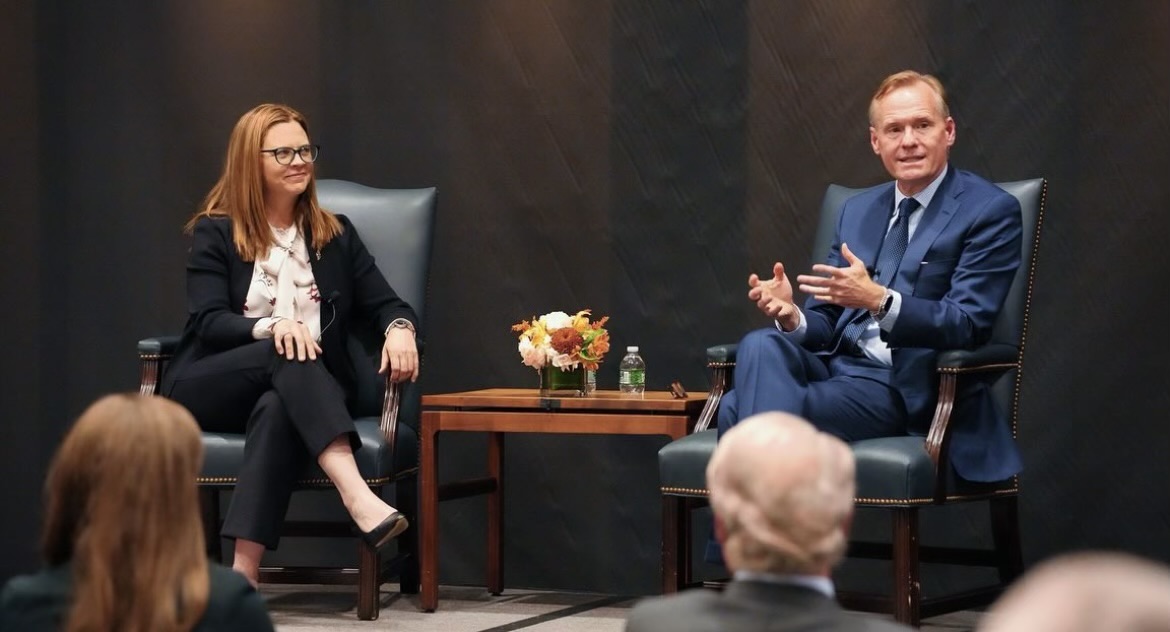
(783,492)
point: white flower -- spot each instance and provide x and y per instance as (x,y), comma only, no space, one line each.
(556,320)
(563,361)
(530,355)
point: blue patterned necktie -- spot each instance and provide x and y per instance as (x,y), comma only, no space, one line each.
(893,248)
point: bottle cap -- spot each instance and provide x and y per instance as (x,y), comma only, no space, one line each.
(632,349)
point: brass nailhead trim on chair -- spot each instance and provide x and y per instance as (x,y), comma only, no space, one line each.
(685,491)
(1028,308)
(318,482)
(979,369)
(906,502)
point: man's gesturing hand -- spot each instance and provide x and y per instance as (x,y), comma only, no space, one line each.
(849,286)
(774,297)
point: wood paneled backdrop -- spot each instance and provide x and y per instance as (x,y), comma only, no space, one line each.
(637,158)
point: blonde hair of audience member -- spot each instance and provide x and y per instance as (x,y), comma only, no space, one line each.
(121,507)
(782,494)
(1086,592)
(239,193)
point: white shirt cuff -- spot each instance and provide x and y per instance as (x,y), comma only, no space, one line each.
(263,327)
(797,334)
(887,321)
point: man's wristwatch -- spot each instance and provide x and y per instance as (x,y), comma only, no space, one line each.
(887,303)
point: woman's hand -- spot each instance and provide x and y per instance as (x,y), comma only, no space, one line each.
(400,355)
(292,339)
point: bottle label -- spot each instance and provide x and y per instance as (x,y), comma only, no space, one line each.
(632,377)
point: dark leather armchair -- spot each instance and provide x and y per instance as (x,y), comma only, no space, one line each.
(396,227)
(901,474)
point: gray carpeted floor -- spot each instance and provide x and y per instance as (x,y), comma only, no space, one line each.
(472,609)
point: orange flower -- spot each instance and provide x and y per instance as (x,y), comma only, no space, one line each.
(565,340)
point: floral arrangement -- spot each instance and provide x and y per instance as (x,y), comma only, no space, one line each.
(563,341)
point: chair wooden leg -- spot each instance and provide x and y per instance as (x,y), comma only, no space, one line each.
(406,498)
(368,562)
(907,586)
(1005,531)
(673,512)
(209,512)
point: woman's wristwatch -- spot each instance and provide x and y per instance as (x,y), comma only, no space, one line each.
(399,323)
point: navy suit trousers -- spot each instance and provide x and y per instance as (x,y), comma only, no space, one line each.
(846,396)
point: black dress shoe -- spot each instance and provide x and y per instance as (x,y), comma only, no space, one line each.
(380,535)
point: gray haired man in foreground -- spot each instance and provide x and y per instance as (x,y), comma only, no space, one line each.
(782,494)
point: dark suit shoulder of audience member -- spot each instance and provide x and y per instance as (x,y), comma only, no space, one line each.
(748,606)
(39,602)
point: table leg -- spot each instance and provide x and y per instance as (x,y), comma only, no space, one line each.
(429,512)
(495,517)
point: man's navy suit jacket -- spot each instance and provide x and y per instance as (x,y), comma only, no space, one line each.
(954,277)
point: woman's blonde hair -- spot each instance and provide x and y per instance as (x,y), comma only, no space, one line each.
(121,507)
(239,194)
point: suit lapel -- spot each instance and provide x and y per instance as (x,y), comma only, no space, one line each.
(241,274)
(934,219)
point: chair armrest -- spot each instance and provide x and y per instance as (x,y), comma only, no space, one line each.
(721,361)
(390,407)
(152,356)
(392,402)
(158,345)
(721,354)
(992,357)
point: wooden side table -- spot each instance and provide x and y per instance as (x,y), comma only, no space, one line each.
(498,411)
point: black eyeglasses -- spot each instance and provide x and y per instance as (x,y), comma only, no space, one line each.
(284,155)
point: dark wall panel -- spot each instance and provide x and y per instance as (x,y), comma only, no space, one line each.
(636,158)
(23,432)
(524,231)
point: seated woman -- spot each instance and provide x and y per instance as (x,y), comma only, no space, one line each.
(274,285)
(123,541)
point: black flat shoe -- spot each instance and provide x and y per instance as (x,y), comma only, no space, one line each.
(380,535)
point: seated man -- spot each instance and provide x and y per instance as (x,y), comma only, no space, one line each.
(918,265)
(782,495)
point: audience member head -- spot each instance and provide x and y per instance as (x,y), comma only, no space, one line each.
(782,493)
(1086,592)
(122,509)
(911,129)
(253,175)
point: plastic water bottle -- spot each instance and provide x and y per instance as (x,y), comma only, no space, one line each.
(632,372)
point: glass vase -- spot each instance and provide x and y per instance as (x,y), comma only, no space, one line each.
(556,382)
